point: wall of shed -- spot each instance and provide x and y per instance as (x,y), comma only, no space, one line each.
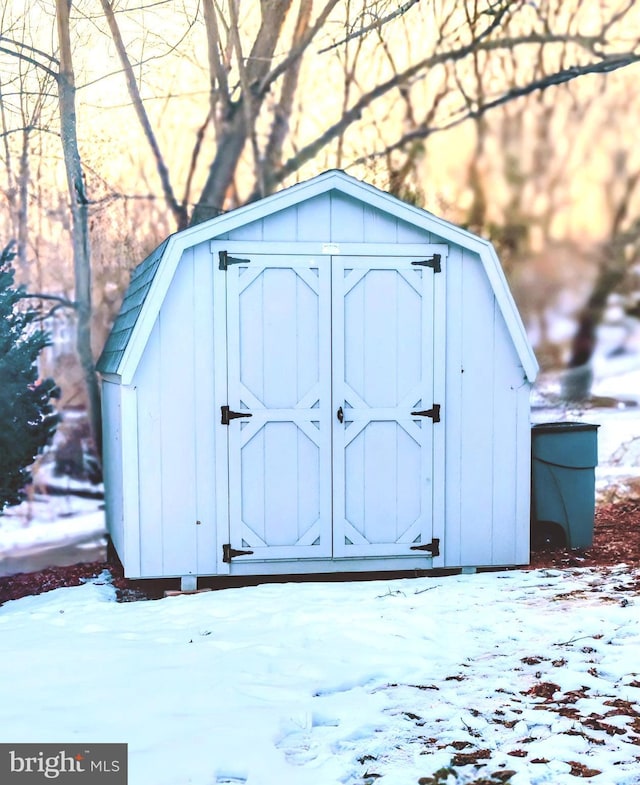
(113,463)
(175,421)
(487,422)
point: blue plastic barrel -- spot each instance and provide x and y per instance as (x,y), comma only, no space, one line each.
(564,457)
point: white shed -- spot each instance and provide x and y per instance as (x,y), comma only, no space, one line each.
(327,380)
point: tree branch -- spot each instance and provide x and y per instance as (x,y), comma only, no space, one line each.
(351,115)
(32,61)
(217,71)
(373,26)
(178,210)
(297,51)
(612,63)
(32,49)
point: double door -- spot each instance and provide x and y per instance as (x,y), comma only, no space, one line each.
(329,414)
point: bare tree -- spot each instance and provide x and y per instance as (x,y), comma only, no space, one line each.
(24,98)
(61,72)
(80,215)
(259,72)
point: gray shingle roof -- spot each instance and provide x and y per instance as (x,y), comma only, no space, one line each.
(141,280)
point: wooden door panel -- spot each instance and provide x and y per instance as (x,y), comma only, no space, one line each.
(382,372)
(279,339)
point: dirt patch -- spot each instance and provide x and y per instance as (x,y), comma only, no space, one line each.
(26,584)
(616,541)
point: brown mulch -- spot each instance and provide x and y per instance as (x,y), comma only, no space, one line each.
(616,541)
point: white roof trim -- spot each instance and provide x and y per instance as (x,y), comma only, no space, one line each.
(331,180)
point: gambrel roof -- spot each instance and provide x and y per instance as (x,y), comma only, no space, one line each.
(150,281)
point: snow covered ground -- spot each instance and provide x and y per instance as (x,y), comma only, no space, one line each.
(51,530)
(519,677)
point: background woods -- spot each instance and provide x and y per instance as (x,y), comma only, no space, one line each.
(124,120)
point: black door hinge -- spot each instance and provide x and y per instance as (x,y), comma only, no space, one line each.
(228,415)
(434,413)
(433,262)
(433,547)
(229,553)
(226,260)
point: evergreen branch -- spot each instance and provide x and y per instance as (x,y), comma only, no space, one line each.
(63,302)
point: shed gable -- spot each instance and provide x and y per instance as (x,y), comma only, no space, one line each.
(331,217)
(331,208)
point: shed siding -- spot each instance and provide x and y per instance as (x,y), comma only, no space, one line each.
(314,219)
(112,461)
(330,217)
(148,382)
(485,442)
(508,378)
(205,363)
(452,416)
(175,383)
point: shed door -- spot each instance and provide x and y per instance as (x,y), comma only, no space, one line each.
(329,357)
(382,372)
(278,360)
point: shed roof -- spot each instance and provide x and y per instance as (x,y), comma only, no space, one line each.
(151,278)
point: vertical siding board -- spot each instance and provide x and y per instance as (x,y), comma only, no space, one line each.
(453,409)
(177,422)
(148,384)
(523,474)
(379,227)
(204,409)
(130,473)
(437,490)
(280,226)
(407,233)
(252,231)
(113,472)
(347,219)
(314,219)
(220,481)
(477,413)
(505,438)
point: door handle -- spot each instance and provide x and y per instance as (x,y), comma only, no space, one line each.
(340,415)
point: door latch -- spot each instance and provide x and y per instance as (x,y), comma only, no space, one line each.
(340,415)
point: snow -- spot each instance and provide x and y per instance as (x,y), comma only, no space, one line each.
(334,683)
(51,530)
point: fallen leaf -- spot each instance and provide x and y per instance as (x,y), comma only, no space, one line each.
(580,770)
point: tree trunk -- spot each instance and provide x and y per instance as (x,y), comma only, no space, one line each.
(24,179)
(80,219)
(230,147)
